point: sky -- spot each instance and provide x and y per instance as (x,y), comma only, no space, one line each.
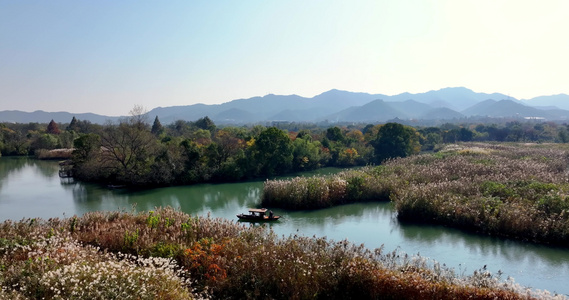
(107,57)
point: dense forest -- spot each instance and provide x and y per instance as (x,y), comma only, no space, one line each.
(138,152)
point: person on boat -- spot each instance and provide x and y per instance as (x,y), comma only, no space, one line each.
(270,214)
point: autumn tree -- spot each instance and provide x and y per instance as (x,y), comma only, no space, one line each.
(229,144)
(52,128)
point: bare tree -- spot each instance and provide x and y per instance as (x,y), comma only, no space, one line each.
(129,148)
(139,116)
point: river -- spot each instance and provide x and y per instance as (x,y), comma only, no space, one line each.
(30,188)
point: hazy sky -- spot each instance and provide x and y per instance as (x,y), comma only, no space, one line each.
(107,56)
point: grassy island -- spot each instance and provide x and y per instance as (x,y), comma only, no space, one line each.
(167,254)
(516,190)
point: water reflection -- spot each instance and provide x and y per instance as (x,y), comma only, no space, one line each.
(47,169)
(30,188)
(486,246)
(11,165)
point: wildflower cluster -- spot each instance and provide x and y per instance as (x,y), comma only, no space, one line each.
(47,261)
(116,277)
(175,256)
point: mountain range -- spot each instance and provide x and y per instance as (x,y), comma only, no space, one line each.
(448,104)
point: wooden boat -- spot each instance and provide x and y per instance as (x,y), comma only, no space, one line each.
(258,215)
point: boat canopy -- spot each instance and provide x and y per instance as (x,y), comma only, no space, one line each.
(258,210)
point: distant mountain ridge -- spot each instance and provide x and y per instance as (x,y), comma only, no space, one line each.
(341,106)
(40,116)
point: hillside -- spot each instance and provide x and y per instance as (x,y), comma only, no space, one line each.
(39,116)
(340,106)
(375,111)
(506,108)
(560,101)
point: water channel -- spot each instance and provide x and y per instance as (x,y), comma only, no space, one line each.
(30,188)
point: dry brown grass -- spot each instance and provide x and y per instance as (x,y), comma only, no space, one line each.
(167,254)
(508,190)
(54,153)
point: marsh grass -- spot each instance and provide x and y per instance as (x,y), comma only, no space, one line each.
(517,191)
(365,184)
(176,256)
(54,153)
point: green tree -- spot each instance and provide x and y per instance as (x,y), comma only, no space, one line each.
(205,123)
(168,166)
(432,139)
(395,140)
(465,135)
(85,147)
(15,142)
(201,136)
(272,152)
(85,157)
(304,134)
(44,141)
(157,128)
(192,155)
(334,134)
(306,154)
(74,125)
(563,135)
(66,139)
(180,128)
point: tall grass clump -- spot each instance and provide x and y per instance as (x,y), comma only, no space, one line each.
(53,154)
(365,184)
(504,190)
(177,256)
(517,191)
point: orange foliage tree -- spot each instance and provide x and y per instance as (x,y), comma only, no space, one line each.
(52,128)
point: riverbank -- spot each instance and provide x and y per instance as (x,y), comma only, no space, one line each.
(516,191)
(168,254)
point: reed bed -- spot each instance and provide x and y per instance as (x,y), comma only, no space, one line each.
(365,184)
(54,153)
(517,191)
(166,254)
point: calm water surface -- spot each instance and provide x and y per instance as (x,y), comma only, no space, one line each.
(31,188)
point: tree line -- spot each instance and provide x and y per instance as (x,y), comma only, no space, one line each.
(136,153)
